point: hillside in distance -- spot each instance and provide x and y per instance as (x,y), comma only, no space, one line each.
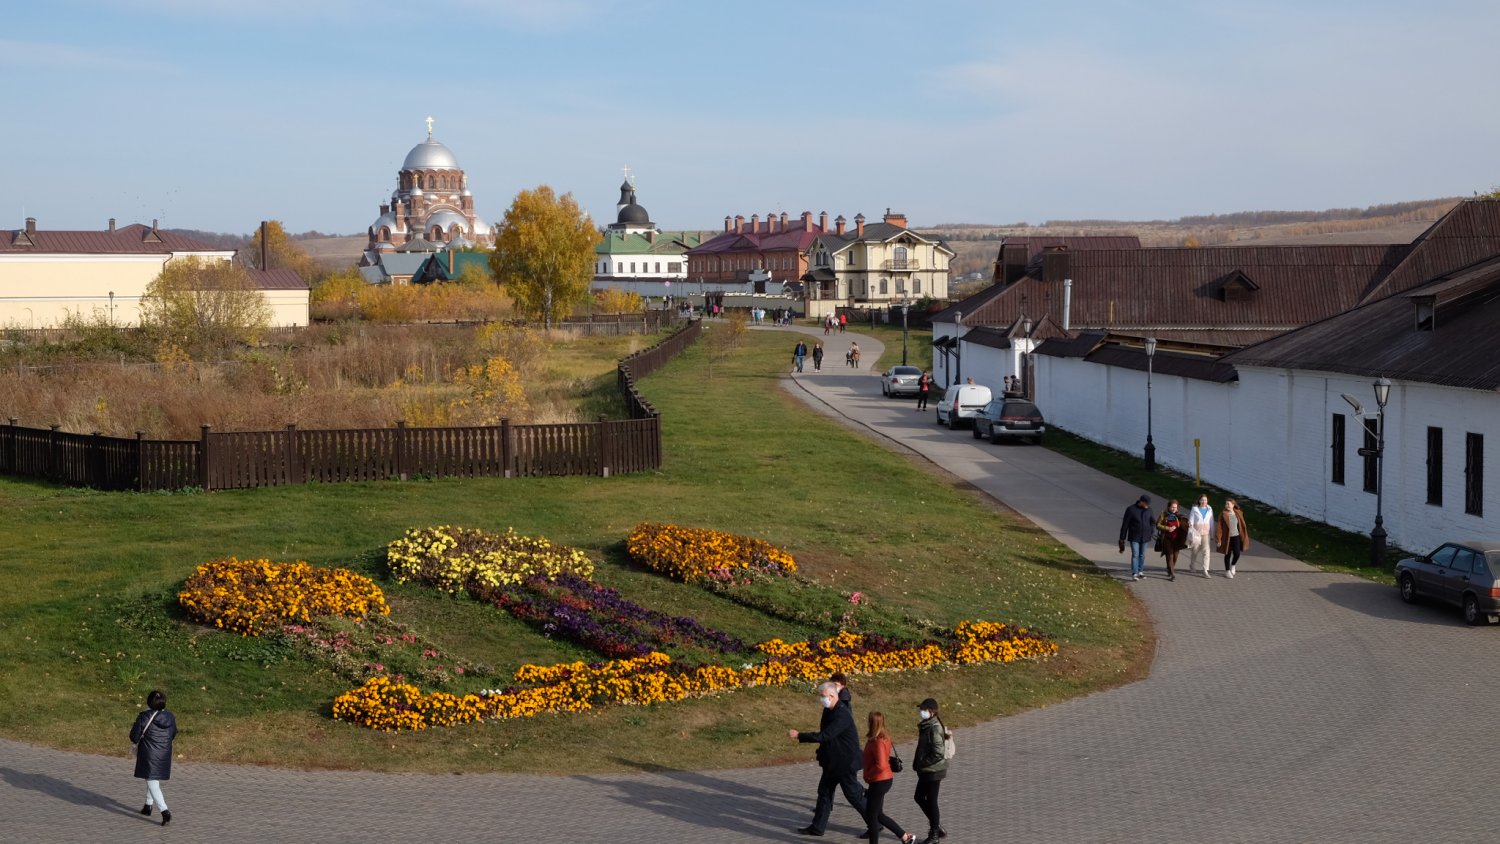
(977,244)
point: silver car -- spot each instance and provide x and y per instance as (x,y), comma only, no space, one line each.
(1457,573)
(900,381)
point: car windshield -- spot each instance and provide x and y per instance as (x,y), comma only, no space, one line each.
(905,370)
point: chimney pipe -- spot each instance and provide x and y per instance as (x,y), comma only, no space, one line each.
(739,224)
(755,223)
(153,225)
(783,221)
(728,224)
(838,225)
(263,251)
(771,223)
(823,220)
(111,225)
(31,225)
(859,226)
(1067,304)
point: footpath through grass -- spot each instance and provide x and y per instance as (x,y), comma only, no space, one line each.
(88,583)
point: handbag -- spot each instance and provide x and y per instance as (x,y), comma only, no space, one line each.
(895,760)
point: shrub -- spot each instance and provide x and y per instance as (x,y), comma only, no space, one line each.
(250,596)
(459,560)
(695,554)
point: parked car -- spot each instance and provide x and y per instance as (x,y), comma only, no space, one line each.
(1010,418)
(961,403)
(900,381)
(1457,573)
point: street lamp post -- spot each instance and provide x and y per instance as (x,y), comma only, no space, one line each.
(1150,446)
(904,307)
(1377,536)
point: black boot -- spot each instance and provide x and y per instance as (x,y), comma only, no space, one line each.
(146,809)
(932,836)
(166,817)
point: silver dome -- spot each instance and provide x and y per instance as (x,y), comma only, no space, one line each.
(430,155)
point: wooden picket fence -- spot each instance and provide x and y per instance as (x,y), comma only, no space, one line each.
(242,459)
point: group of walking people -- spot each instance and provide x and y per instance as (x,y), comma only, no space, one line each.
(1196,531)
(835,322)
(842,759)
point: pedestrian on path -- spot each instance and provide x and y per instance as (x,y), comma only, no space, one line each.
(1171,535)
(924,389)
(1137,528)
(818,357)
(879,777)
(854,355)
(1200,522)
(1234,535)
(843,322)
(931,764)
(799,354)
(839,756)
(152,735)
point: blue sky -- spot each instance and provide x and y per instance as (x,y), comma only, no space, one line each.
(214,115)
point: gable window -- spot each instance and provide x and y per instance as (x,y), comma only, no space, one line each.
(1338,449)
(1474,474)
(1435,466)
(1370,458)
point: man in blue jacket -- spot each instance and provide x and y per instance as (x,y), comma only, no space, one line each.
(840,756)
(1138,528)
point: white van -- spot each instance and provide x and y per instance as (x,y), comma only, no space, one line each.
(961,403)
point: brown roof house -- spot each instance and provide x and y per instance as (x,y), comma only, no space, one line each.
(46,276)
(1283,420)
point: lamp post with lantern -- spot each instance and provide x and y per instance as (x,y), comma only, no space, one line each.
(1377,536)
(1150,452)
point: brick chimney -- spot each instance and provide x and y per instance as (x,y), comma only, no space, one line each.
(31,225)
(111,225)
(807,221)
(755,223)
(838,225)
(823,221)
(771,223)
(783,221)
(859,226)
(728,223)
(739,224)
(898,220)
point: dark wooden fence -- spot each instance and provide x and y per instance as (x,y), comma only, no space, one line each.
(240,459)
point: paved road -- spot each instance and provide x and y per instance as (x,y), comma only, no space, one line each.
(1287,705)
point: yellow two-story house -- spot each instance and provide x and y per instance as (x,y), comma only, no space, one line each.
(875,265)
(46,276)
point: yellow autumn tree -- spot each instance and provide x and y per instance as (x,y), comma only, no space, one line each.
(612,300)
(492,391)
(203,307)
(544,253)
(281,252)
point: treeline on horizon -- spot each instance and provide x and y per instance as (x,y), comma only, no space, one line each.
(240,241)
(1238,218)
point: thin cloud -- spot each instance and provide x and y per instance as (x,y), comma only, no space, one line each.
(33,55)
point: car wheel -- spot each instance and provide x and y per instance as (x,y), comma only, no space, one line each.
(975,431)
(1471,611)
(938,417)
(994,435)
(1408,586)
(952,422)
(1037,439)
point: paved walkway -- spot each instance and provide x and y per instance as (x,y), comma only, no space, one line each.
(1287,705)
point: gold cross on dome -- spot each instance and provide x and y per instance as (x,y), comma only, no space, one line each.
(626,168)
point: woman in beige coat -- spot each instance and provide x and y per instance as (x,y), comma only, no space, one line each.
(1233,535)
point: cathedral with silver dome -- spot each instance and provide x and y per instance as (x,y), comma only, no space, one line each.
(431,209)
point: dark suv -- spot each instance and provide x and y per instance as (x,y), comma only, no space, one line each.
(1010,418)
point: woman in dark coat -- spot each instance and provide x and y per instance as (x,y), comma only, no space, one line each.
(931,764)
(152,736)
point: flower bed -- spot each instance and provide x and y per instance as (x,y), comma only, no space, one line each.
(655,678)
(457,559)
(601,619)
(251,596)
(697,554)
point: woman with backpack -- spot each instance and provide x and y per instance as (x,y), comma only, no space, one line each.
(934,747)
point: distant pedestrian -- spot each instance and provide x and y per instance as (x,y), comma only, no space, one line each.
(1233,536)
(1137,528)
(878,780)
(931,764)
(854,355)
(818,356)
(924,389)
(828,324)
(843,322)
(839,756)
(152,735)
(799,354)
(1200,522)
(1171,535)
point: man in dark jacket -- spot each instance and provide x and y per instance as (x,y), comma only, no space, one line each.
(1138,528)
(840,756)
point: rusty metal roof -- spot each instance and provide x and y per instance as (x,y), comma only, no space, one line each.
(277,279)
(134,239)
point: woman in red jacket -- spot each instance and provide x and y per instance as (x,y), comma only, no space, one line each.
(878,780)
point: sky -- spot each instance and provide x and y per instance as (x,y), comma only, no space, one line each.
(214,115)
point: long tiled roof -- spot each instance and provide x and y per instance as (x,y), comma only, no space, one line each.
(795,238)
(1466,235)
(665,243)
(278,279)
(131,239)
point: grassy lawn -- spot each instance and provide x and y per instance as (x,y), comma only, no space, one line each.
(1314,543)
(88,581)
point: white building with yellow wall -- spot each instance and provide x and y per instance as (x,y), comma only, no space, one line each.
(48,276)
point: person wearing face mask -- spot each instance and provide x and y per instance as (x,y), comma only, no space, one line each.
(839,755)
(931,764)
